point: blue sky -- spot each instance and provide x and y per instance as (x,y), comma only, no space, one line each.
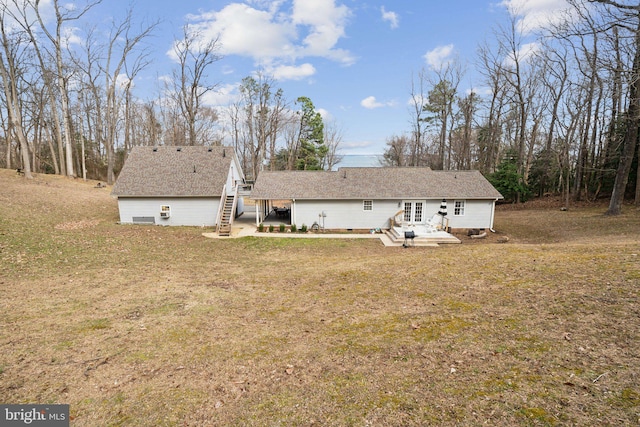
(353,59)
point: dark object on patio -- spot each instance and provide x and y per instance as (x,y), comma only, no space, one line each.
(282,212)
(408,237)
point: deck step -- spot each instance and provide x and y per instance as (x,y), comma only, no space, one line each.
(396,235)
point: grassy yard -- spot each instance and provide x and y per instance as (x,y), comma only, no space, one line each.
(153,326)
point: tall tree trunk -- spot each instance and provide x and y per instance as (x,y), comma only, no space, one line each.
(631,133)
(9,76)
(52,150)
(56,41)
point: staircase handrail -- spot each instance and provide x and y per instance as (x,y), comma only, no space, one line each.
(223,197)
(394,218)
(234,205)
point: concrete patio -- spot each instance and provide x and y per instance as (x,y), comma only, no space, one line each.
(245,226)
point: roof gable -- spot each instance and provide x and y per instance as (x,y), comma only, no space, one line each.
(170,171)
(373,183)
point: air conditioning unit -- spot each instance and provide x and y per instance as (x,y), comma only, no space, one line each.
(165,212)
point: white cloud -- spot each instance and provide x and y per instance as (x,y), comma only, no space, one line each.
(277,34)
(416,99)
(325,114)
(325,23)
(356,144)
(245,31)
(292,72)
(122,80)
(70,36)
(536,14)
(371,103)
(439,56)
(480,90)
(222,96)
(527,52)
(165,79)
(391,17)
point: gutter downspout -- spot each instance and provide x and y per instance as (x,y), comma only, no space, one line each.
(493,213)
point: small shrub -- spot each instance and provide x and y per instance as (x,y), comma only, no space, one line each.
(282,227)
(271,228)
(303,229)
(294,228)
(261,227)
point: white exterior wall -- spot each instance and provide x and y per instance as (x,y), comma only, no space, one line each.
(184,210)
(343,214)
(477,214)
(233,177)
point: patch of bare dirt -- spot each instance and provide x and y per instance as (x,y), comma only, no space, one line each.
(77,225)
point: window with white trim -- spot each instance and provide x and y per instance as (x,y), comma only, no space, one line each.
(367,205)
(458,208)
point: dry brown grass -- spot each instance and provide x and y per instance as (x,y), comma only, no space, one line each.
(140,325)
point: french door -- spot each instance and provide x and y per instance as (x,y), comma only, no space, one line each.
(414,212)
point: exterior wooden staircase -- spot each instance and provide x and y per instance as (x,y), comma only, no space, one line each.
(226,215)
(228,205)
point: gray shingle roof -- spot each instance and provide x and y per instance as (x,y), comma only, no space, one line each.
(174,171)
(373,183)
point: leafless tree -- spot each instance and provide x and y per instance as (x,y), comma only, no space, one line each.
(194,55)
(465,135)
(55,37)
(625,16)
(418,122)
(13,45)
(490,133)
(440,102)
(514,64)
(397,151)
(121,45)
(333,135)
(263,111)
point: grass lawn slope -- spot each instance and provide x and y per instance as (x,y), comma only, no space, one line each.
(158,326)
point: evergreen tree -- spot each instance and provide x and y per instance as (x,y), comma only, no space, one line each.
(508,181)
(311,146)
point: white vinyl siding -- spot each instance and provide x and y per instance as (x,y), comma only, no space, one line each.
(477,214)
(343,214)
(190,211)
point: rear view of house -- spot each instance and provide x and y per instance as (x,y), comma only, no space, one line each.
(171,185)
(368,198)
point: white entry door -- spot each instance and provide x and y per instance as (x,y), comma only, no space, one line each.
(414,212)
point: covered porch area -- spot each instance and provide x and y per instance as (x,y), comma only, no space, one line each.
(273,212)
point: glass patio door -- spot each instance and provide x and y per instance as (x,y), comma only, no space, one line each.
(413,212)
